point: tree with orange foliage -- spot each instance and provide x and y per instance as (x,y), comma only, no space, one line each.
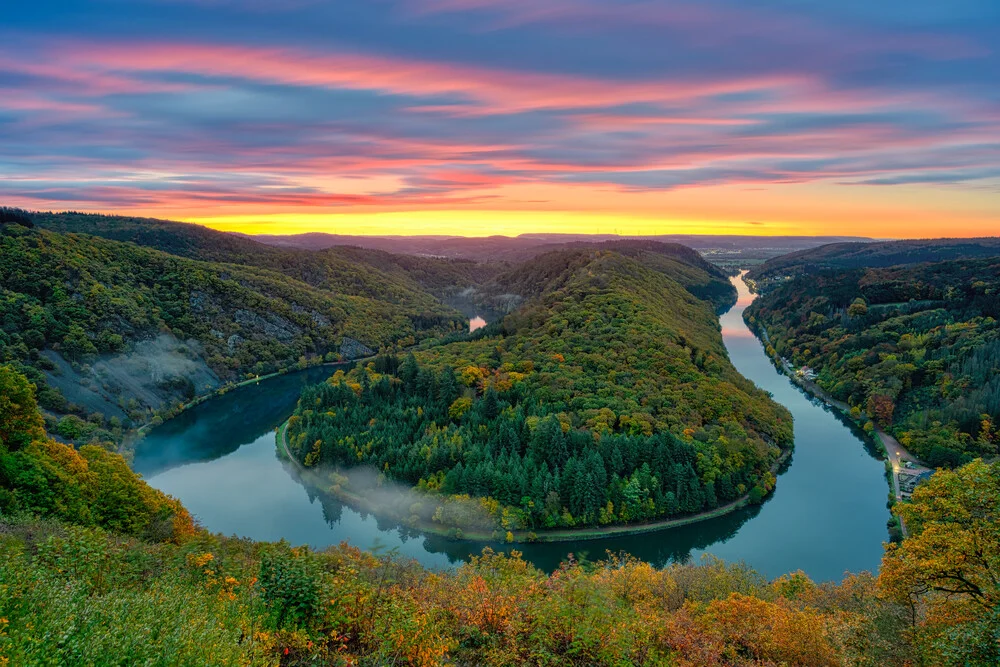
(769,632)
(948,569)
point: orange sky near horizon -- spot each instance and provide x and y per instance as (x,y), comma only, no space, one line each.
(795,209)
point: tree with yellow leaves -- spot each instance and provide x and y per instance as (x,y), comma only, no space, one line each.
(948,570)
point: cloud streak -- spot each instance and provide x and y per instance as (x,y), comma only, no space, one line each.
(480,104)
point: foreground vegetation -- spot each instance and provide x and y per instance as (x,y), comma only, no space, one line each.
(97,568)
(915,349)
(608,398)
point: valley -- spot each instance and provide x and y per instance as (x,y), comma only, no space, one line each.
(237,485)
(614,421)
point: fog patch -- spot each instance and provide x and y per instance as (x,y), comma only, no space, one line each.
(154,373)
(368,490)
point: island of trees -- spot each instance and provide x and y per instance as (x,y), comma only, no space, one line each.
(608,398)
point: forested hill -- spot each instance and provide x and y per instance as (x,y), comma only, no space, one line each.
(916,348)
(607,398)
(386,277)
(388,274)
(837,256)
(110,330)
(679,263)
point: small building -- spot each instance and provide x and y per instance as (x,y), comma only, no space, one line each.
(908,481)
(807,373)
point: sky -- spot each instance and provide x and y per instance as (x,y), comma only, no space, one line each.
(480,117)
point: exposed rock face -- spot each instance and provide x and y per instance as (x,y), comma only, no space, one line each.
(274,326)
(152,374)
(352,349)
(197,301)
(320,319)
(234,342)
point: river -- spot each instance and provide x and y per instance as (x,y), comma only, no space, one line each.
(827,515)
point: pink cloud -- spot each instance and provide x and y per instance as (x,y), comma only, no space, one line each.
(498,90)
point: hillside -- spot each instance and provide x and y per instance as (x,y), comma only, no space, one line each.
(916,348)
(607,398)
(840,256)
(402,279)
(111,331)
(681,264)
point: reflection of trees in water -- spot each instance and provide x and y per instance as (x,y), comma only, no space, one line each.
(222,425)
(333,509)
(660,547)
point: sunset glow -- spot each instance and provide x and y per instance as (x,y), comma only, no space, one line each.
(482,117)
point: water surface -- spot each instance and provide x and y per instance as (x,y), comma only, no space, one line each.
(827,515)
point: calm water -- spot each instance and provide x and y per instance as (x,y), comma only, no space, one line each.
(826,517)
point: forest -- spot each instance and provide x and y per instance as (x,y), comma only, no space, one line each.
(98,568)
(120,321)
(607,398)
(914,349)
(866,255)
(78,312)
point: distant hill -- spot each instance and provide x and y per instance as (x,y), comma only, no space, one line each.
(396,279)
(679,263)
(460,271)
(526,246)
(871,255)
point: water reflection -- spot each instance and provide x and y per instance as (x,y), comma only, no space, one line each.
(826,516)
(225,423)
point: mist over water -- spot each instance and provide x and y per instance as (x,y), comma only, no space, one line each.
(827,515)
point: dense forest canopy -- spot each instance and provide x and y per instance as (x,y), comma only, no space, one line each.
(607,398)
(916,348)
(104,306)
(399,279)
(98,568)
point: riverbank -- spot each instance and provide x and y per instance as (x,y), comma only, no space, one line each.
(522,536)
(221,459)
(893,452)
(133,437)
